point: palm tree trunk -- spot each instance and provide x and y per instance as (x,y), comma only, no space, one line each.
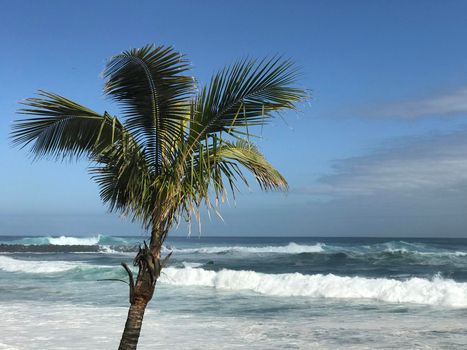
(133,325)
(141,292)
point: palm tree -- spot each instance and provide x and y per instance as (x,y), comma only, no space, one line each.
(175,148)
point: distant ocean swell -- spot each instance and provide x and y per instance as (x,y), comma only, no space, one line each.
(68,244)
(110,244)
(103,241)
(436,291)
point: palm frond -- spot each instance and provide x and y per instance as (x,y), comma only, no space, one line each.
(155,96)
(62,128)
(215,169)
(245,94)
(248,156)
(125,180)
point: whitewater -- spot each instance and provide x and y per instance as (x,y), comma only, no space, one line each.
(252,293)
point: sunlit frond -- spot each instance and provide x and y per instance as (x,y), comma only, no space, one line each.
(154,96)
(245,94)
(248,156)
(62,128)
(125,181)
(214,171)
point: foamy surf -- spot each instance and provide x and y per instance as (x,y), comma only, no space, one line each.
(304,298)
(75,240)
(33,266)
(65,240)
(291,248)
(438,291)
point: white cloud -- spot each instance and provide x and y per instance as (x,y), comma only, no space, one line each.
(426,165)
(447,104)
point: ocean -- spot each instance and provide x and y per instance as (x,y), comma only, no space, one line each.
(238,293)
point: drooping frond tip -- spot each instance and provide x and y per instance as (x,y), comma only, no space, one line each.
(249,157)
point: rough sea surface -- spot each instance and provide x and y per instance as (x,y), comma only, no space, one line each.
(238,293)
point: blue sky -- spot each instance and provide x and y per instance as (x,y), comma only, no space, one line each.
(381,149)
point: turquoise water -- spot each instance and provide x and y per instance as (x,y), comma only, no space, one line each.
(230,293)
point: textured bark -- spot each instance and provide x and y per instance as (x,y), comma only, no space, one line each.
(141,292)
(133,324)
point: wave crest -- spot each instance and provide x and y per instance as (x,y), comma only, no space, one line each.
(33,266)
(66,240)
(437,291)
(291,248)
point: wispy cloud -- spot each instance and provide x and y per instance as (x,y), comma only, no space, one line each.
(421,165)
(447,104)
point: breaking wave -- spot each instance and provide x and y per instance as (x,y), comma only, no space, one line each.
(33,266)
(70,240)
(64,240)
(437,291)
(291,248)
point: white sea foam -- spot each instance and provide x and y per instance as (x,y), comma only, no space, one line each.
(32,266)
(437,291)
(65,240)
(57,326)
(291,248)
(191,264)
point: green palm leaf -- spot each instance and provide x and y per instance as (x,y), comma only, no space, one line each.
(245,94)
(248,156)
(63,128)
(126,183)
(154,95)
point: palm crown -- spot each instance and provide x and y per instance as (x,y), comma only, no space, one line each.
(176,146)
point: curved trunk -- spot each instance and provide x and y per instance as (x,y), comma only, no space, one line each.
(141,292)
(133,324)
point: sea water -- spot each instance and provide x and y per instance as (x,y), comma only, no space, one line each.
(238,293)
